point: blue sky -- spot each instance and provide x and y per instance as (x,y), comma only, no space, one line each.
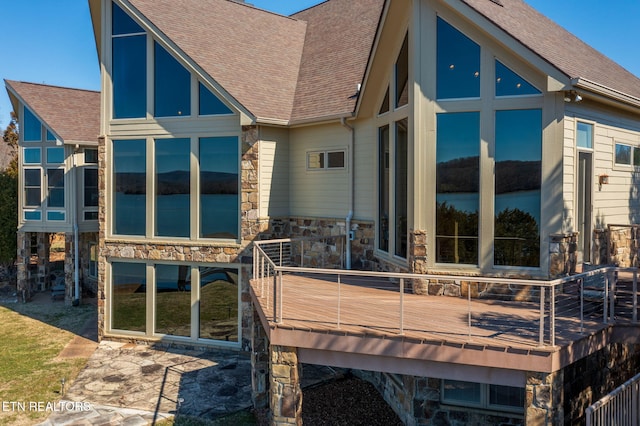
(52,42)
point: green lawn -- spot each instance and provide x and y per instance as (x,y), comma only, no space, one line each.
(31,337)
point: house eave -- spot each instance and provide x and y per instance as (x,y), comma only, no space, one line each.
(607,94)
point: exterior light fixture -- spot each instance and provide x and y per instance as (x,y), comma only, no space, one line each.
(572,96)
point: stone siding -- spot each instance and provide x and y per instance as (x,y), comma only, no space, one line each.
(619,245)
(562,254)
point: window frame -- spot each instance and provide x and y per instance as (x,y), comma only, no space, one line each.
(623,166)
(484,401)
(325,159)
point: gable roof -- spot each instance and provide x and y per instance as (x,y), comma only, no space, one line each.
(340,36)
(73,115)
(566,52)
(258,61)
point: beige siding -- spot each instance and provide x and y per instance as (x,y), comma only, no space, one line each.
(274,173)
(318,193)
(365,149)
(617,202)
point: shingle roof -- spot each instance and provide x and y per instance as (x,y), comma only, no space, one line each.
(72,114)
(258,60)
(340,34)
(557,46)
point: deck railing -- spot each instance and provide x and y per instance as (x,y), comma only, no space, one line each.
(536,309)
(621,407)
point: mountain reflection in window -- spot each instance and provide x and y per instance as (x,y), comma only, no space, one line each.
(518,175)
(173,187)
(457,187)
(219,204)
(130,189)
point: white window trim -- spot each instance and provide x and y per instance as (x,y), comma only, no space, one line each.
(326,153)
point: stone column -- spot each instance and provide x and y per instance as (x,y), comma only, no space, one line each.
(22,262)
(544,399)
(259,363)
(69,270)
(284,387)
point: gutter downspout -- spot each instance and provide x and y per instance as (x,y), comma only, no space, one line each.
(348,237)
(76,277)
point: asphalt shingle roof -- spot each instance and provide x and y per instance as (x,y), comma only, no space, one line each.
(72,114)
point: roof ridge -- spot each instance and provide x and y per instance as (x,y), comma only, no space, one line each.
(251,6)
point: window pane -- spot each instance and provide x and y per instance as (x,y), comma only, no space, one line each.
(315,160)
(90,215)
(173,187)
(508,83)
(458,64)
(509,396)
(130,189)
(385,103)
(457,187)
(383,184)
(172,83)
(584,138)
(173,300)
(219,304)
(32,185)
(37,215)
(122,23)
(55,155)
(129,298)
(209,104)
(129,77)
(401,189)
(518,175)
(31,127)
(219,181)
(56,216)
(91,156)
(31,156)
(335,159)
(91,187)
(402,75)
(458,391)
(636,156)
(623,154)
(55,181)
(50,136)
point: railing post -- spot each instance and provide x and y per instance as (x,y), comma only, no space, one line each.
(635,297)
(280,304)
(339,300)
(280,264)
(541,338)
(552,313)
(612,301)
(605,309)
(581,284)
(401,306)
(302,253)
(469,309)
(275,297)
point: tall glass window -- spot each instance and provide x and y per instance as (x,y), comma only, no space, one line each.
(130,187)
(584,138)
(518,176)
(401,198)
(129,296)
(173,186)
(32,187)
(402,75)
(172,85)
(457,187)
(55,187)
(209,104)
(91,187)
(173,300)
(129,67)
(458,64)
(219,203)
(218,304)
(31,127)
(384,189)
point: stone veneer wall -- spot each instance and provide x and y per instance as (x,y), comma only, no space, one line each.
(619,245)
(562,254)
(30,280)
(196,252)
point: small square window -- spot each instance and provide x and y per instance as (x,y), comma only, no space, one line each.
(584,137)
(335,160)
(91,156)
(33,215)
(323,160)
(31,156)
(55,155)
(623,154)
(55,215)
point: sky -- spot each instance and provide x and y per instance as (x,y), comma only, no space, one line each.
(52,42)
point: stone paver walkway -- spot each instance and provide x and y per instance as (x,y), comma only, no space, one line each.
(132,384)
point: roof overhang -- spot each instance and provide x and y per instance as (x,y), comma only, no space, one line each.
(17,100)
(607,95)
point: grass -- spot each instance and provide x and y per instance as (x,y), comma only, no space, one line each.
(31,337)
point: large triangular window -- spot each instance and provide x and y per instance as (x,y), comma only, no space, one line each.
(172,86)
(508,83)
(209,104)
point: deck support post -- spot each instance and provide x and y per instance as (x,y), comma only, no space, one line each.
(285,393)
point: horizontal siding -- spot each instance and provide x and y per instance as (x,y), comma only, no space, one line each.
(318,193)
(274,173)
(365,147)
(179,126)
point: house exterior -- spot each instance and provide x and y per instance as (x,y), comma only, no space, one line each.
(58,181)
(454,137)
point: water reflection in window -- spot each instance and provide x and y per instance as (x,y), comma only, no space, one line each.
(401,199)
(518,175)
(173,300)
(383,183)
(458,64)
(129,298)
(130,187)
(173,186)
(457,187)
(219,210)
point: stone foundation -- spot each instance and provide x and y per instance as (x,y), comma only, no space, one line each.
(562,254)
(32,264)
(619,245)
(285,393)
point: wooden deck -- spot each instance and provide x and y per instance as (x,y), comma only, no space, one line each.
(370,307)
